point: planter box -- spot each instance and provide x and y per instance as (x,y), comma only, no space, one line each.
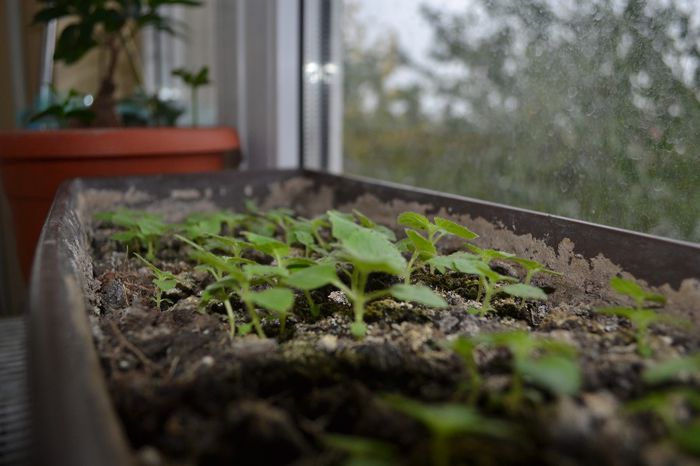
(74,421)
(34,163)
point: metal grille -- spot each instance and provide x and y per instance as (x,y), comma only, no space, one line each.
(14,402)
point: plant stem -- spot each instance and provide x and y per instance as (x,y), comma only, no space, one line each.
(440,450)
(313,307)
(231,318)
(409,268)
(195,105)
(253,317)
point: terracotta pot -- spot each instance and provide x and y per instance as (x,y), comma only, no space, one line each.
(34,163)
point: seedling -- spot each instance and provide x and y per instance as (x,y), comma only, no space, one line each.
(240,282)
(445,421)
(639,316)
(141,229)
(194,80)
(424,235)
(548,364)
(531,268)
(365,251)
(490,281)
(362,451)
(666,405)
(671,369)
(199,226)
(162,280)
(465,348)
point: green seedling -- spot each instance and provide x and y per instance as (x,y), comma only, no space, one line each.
(194,80)
(201,225)
(363,251)
(531,268)
(362,451)
(162,280)
(240,281)
(423,236)
(666,404)
(141,229)
(545,363)
(490,281)
(639,316)
(669,370)
(465,348)
(447,420)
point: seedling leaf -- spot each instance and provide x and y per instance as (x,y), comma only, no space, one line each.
(420,243)
(555,373)
(414,220)
(274,299)
(636,292)
(419,294)
(520,290)
(313,277)
(454,228)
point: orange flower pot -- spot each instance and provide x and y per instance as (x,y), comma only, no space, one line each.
(34,163)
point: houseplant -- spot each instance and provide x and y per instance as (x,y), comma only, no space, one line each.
(33,163)
(289,391)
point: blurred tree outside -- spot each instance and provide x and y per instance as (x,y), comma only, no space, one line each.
(583,109)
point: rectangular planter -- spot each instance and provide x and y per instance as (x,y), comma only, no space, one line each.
(73,418)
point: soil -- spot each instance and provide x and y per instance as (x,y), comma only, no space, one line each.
(188,394)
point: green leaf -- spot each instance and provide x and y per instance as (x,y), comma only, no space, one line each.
(341,227)
(49,13)
(313,277)
(165,284)
(421,244)
(419,294)
(74,42)
(274,299)
(454,228)
(267,245)
(668,370)
(449,418)
(558,374)
(688,437)
(372,252)
(633,290)
(520,290)
(414,220)
(253,271)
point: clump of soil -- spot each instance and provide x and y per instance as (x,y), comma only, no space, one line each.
(189,394)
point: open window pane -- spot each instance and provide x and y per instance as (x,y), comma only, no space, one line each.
(583,109)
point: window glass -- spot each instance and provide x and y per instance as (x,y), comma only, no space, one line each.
(585,109)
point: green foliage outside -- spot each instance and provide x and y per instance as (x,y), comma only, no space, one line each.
(587,111)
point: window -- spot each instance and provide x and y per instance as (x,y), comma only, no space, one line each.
(583,109)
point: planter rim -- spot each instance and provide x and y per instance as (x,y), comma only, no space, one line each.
(113,142)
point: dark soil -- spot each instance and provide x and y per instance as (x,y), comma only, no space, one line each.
(188,394)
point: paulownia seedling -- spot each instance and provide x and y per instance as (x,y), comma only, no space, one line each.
(545,363)
(640,317)
(362,451)
(201,225)
(531,268)
(669,370)
(447,420)
(666,405)
(365,251)
(163,281)
(142,230)
(423,236)
(490,281)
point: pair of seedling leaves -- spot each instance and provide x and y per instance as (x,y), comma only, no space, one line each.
(421,241)
(641,316)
